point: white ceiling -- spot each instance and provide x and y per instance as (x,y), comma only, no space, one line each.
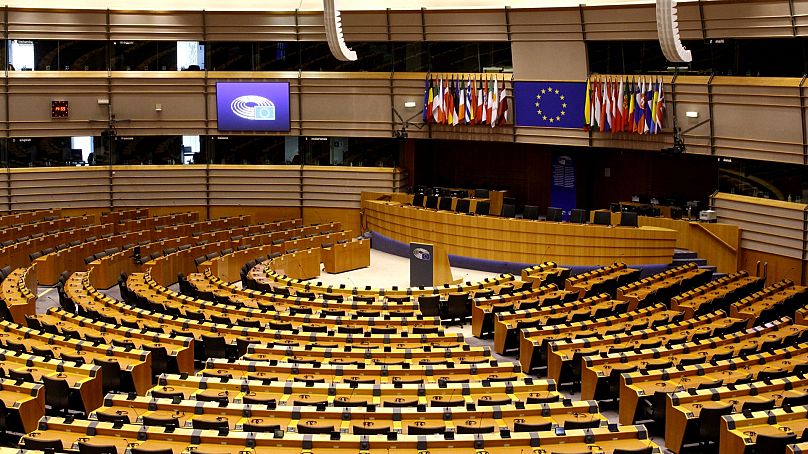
(304,5)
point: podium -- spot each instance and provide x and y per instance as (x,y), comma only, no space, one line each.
(429,265)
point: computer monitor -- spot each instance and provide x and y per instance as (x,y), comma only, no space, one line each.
(462,206)
(531,212)
(628,219)
(555,214)
(579,216)
(445,204)
(432,201)
(481,193)
(603,218)
(482,208)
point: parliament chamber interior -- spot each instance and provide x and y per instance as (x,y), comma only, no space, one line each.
(432,227)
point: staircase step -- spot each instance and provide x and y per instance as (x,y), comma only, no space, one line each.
(712,268)
(684,254)
(697,261)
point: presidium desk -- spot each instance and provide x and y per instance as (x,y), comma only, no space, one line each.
(515,240)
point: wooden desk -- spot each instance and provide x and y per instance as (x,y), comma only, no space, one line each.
(534,342)
(298,265)
(15,291)
(739,432)
(352,255)
(600,440)
(520,240)
(347,419)
(682,408)
(26,400)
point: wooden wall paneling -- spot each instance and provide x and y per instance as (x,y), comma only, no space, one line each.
(349,217)
(778,267)
(5,191)
(618,23)
(410,87)
(250,26)
(691,236)
(692,96)
(555,25)
(258,186)
(773,230)
(363,26)
(30,95)
(342,187)
(552,136)
(689,14)
(171,26)
(135,95)
(346,107)
(59,187)
(800,17)
(736,101)
(55,24)
(747,19)
(406,26)
(447,25)
(158,186)
(310,26)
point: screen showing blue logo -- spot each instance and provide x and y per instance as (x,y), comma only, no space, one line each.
(252,106)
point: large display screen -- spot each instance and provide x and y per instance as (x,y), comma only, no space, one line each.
(252,106)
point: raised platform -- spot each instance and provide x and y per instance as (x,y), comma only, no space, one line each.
(518,240)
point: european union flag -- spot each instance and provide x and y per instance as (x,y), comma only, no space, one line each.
(549,104)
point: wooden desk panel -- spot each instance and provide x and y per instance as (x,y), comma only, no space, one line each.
(346,256)
(520,240)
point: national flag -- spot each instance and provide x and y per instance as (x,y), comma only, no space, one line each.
(660,107)
(593,122)
(455,102)
(503,106)
(427,100)
(641,109)
(626,102)
(547,104)
(631,103)
(649,101)
(451,114)
(437,102)
(602,116)
(654,100)
(479,110)
(621,106)
(637,108)
(588,103)
(608,105)
(469,101)
(488,102)
(495,104)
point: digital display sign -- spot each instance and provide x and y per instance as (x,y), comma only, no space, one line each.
(252,106)
(59,109)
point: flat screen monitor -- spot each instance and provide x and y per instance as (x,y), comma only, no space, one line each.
(603,218)
(555,214)
(628,219)
(252,106)
(579,216)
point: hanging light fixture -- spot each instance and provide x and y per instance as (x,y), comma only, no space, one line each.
(333,32)
(668,32)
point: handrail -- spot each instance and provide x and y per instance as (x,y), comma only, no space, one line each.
(714,236)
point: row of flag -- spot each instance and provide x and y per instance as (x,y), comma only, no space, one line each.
(617,104)
(471,101)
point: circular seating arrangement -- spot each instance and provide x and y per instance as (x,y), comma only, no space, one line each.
(213,346)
